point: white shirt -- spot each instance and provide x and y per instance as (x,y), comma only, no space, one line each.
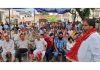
(89,50)
(41,31)
(12,26)
(40,44)
(16,37)
(6,26)
(8,46)
(23,44)
(70,32)
(69,45)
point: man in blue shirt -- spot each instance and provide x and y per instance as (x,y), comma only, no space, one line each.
(60,46)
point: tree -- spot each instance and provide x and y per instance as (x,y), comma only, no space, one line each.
(44,13)
(83,12)
(93,9)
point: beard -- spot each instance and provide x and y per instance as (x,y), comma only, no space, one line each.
(60,38)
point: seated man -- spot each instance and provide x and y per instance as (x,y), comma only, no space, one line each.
(22,47)
(50,46)
(8,48)
(40,45)
(60,46)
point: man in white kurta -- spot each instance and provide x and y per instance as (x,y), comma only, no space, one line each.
(22,47)
(8,46)
(40,45)
(89,50)
(87,47)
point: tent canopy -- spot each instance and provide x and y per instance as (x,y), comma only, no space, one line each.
(50,10)
(54,10)
(24,9)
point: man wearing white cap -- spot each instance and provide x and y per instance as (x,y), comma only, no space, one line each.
(8,47)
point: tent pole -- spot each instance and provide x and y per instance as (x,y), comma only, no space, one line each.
(9,22)
(34,15)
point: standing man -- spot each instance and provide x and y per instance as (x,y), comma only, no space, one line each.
(87,46)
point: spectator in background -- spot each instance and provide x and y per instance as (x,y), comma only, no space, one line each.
(41,31)
(12,27)
(69,25)
(97,25)
(15,36)
(1,27)
(21,25)
(70,43)
(6,27)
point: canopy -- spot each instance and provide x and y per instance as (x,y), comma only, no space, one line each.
(24,9)
(54,10)
(49,10)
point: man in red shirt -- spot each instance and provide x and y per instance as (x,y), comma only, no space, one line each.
(49,50)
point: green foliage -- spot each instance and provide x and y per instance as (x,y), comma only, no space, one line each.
(44,13)
(83,13)
(52,18)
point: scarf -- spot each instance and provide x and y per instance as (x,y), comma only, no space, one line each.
(72,54)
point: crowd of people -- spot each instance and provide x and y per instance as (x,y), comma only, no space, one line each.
(50,41)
